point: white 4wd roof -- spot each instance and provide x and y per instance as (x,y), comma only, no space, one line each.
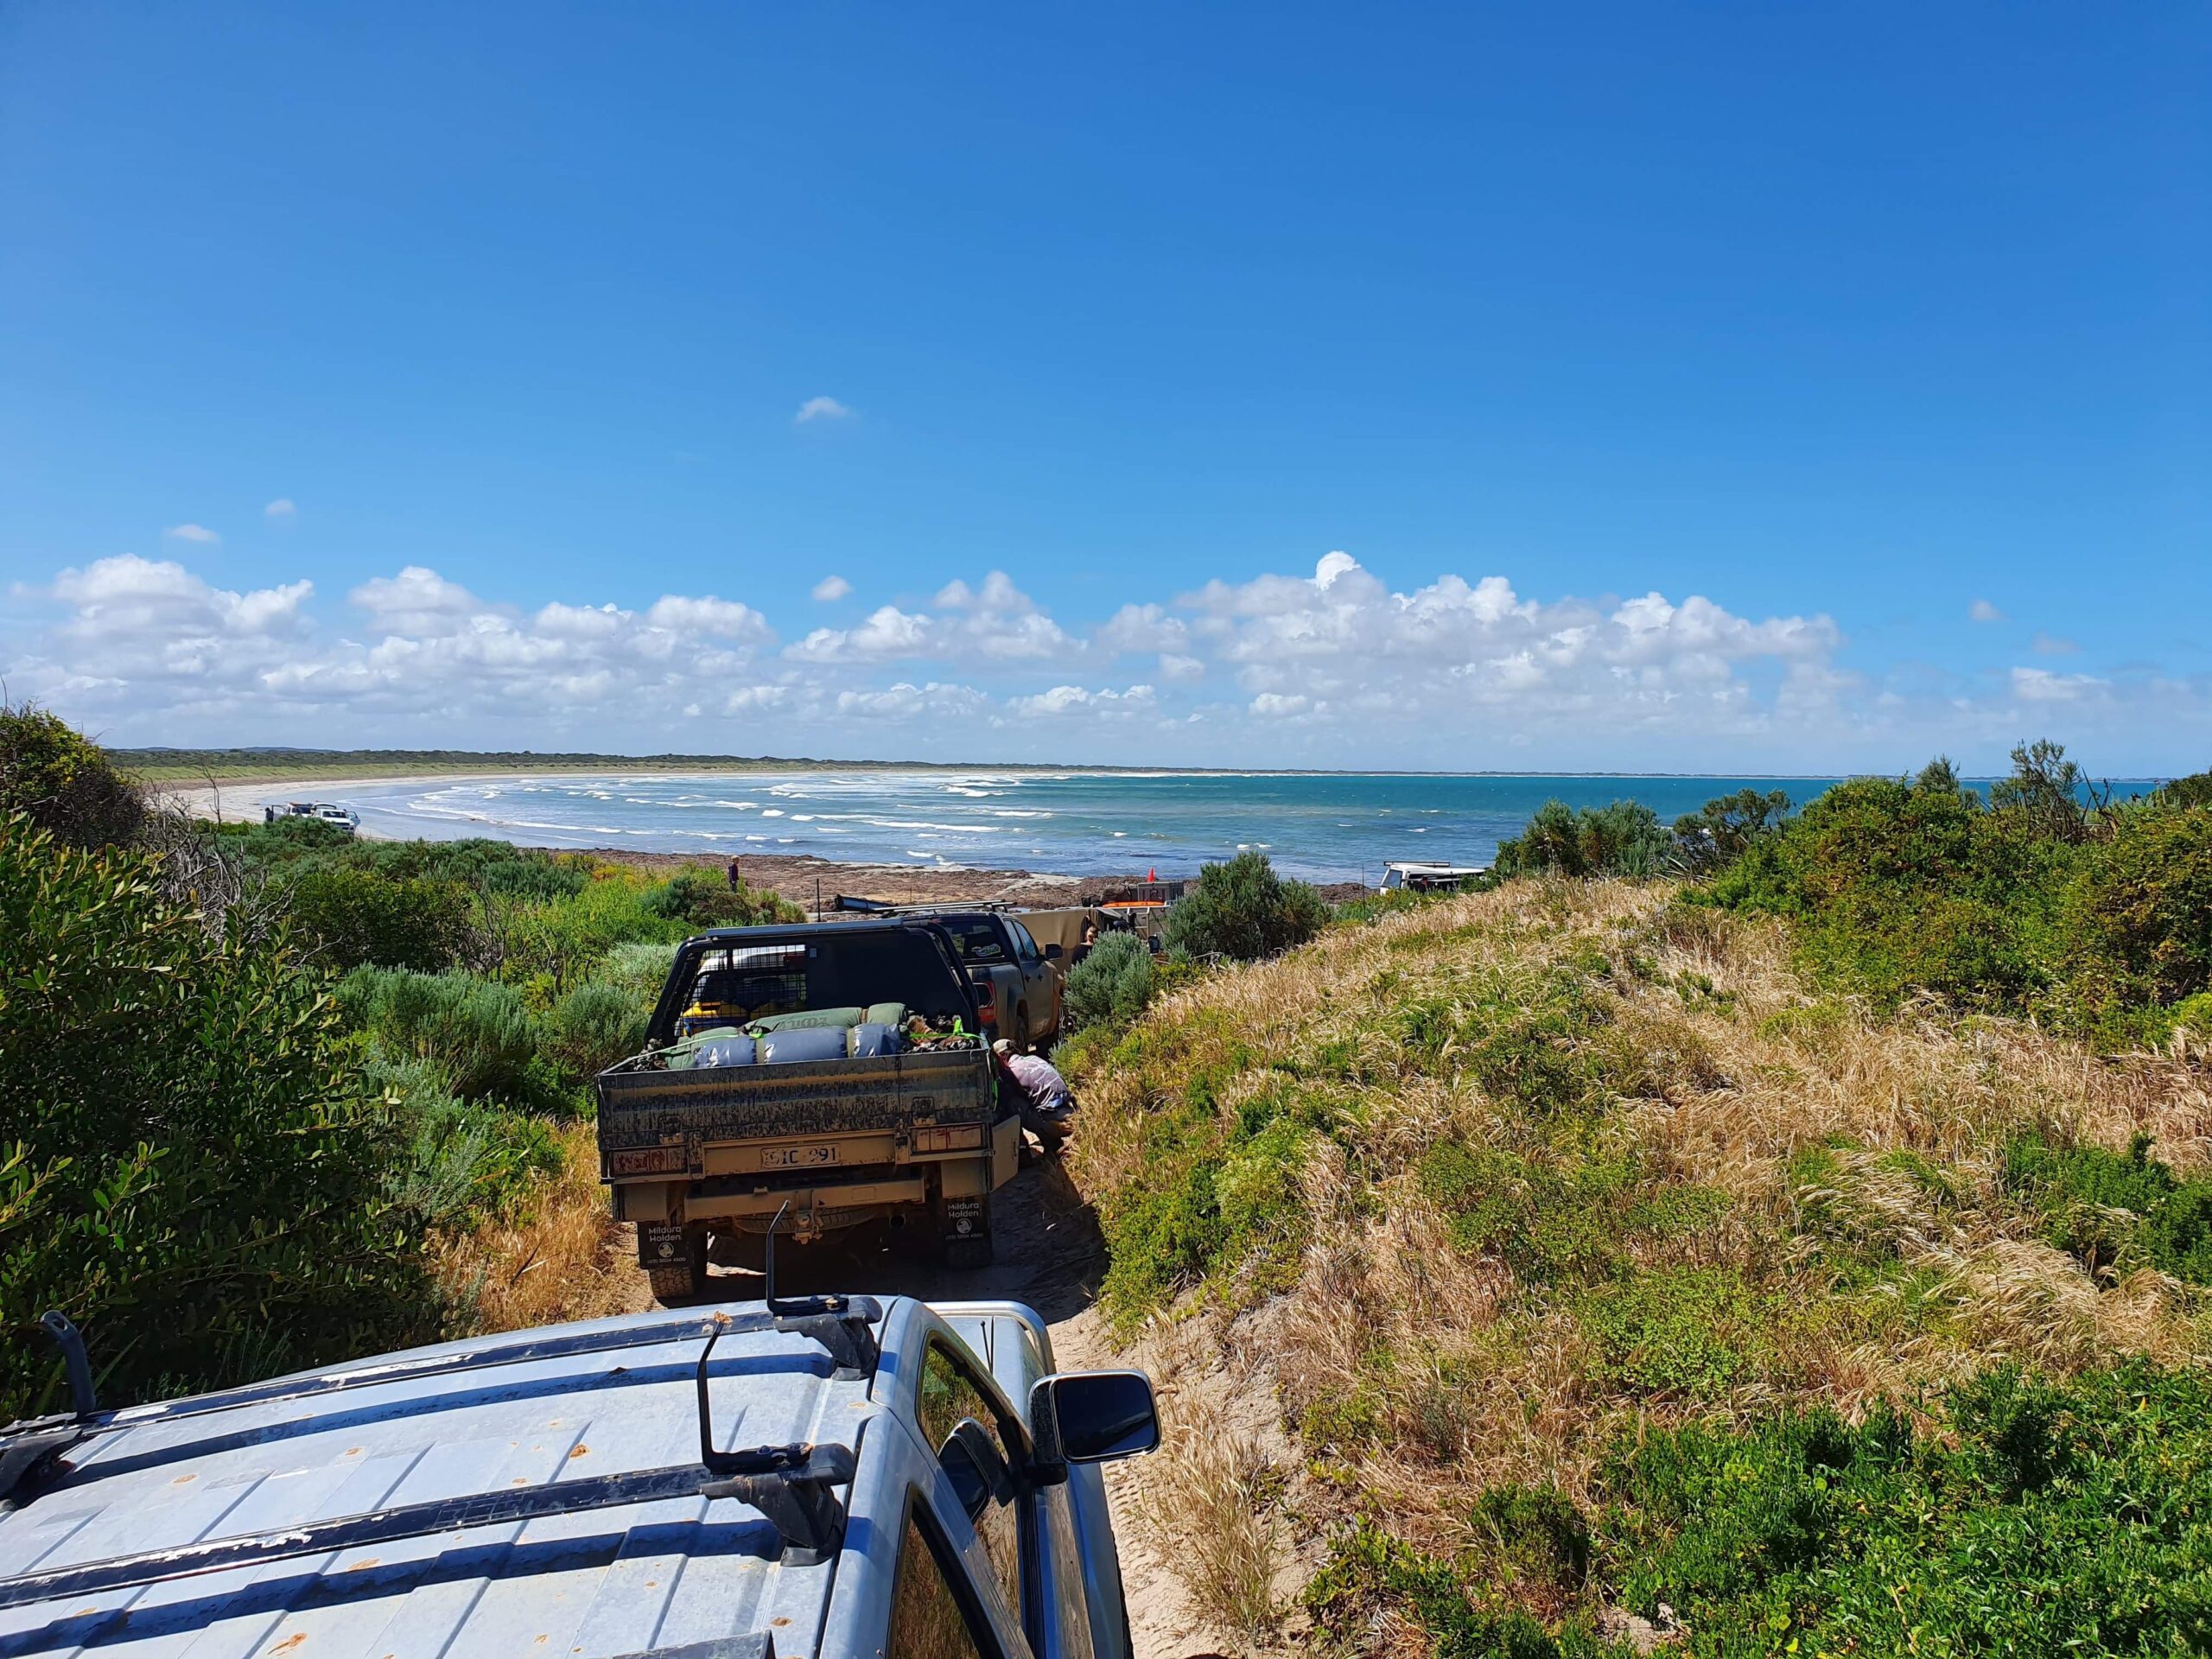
(666,1483)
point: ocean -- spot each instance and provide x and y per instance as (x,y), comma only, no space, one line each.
(1330,826)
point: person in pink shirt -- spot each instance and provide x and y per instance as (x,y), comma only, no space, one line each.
(1040,1092)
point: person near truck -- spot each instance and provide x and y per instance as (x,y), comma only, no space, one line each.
(1040,1092)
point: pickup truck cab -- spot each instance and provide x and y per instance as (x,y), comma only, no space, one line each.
(1017,983)
(833,1475)
(834,1069)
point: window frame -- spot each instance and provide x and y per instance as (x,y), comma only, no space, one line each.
(1014,1440)
(920,1513)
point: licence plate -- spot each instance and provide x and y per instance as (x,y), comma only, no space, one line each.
(797,1157)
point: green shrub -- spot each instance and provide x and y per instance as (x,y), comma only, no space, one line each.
(359,918)
(1243,910)
(1724,830)
(1110,986)
(2092,920)
(1623,839)
(475,1033)
(593,1025)
(639,969)
(2138,912)
(189,1166)
(2043,1518)
(2114,1209)
(2195,790)
(1684,1332)
(63,781)
(704,898)
(460,1161)
(1899,886)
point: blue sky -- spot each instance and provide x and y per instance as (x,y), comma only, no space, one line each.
(1833,332)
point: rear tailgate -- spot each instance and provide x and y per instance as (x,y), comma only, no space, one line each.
(655,1124)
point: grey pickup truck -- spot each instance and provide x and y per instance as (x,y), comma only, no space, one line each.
(835,1069)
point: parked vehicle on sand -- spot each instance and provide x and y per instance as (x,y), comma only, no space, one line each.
(827,1476)
(833,1066)
(1017,982)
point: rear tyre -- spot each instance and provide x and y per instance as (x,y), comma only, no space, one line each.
(1021,1030)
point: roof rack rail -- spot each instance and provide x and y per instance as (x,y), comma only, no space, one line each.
(789,1484)
(838,1325)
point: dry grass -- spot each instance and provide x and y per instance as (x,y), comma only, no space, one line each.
(554,1262)
(1422,1373)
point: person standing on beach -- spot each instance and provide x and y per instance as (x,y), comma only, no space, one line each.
(735,880)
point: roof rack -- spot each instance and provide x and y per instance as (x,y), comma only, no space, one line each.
(840,1326)
(789,1484)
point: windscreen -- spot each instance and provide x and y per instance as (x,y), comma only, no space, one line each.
(975,939)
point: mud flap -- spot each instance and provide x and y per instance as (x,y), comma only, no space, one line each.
(964,1231)
(661,1245)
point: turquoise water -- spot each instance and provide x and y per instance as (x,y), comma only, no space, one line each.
(1326,827)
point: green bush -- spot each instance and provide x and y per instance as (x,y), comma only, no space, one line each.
(475,1033)
(189,1168)
(1623,839)
(2139,911)
(2113,1210)
(1244,910)
(1724,830)
(595,1025)
(63,781)
(359,918)
(1110,986)
(704,898)
(2045,1518)
(2038,1518)
(2195,790)
(460,1160)
(2093,919)
(1898,887)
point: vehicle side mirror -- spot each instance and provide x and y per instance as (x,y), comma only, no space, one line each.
(1052,953)
(1092,1417)
(971,1461)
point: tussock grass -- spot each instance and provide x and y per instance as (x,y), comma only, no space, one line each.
(552,1261)
(1497,1185)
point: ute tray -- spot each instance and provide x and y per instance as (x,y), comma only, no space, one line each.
(656,1122)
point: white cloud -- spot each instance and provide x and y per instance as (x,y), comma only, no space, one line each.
(1982,611)
(1143,628)
(191,533)
(2051,644)
(1329,668)
(281,508)
(830,589)
(2041,685)
(996,621)
(1073,699)
(416,600)
(821,409)
(906,701)
(720,619)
